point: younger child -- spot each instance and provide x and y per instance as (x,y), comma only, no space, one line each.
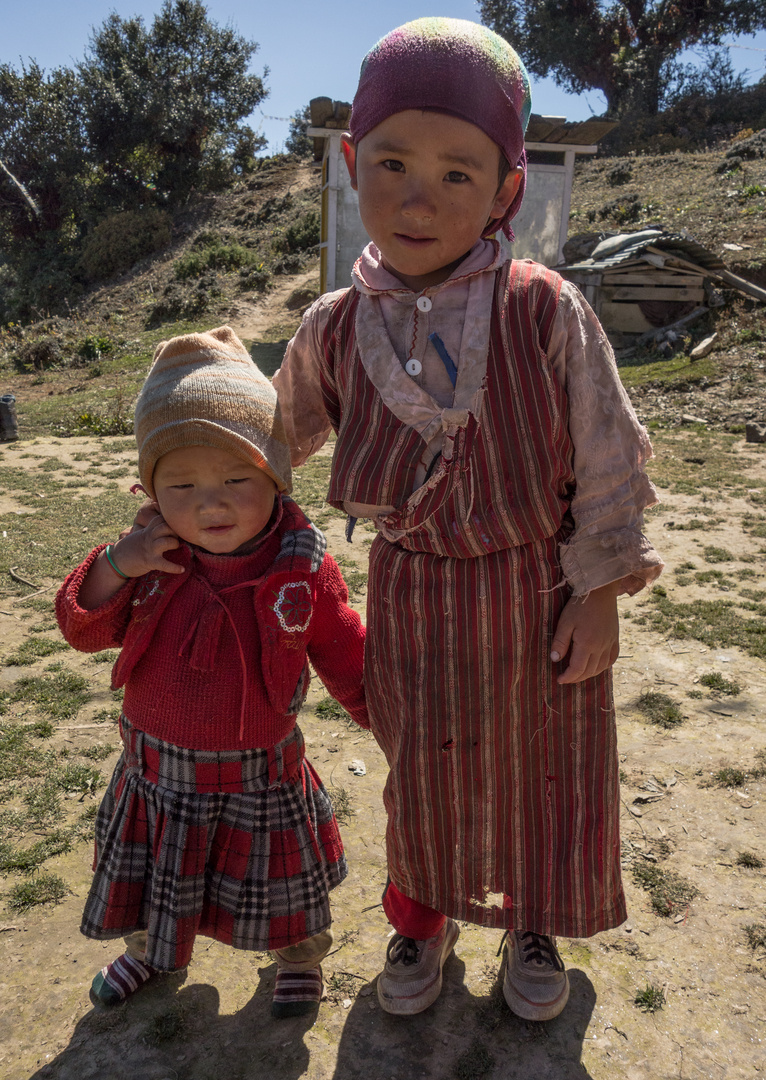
(482,425)
(214,822)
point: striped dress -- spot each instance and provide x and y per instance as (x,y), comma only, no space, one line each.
(503,793)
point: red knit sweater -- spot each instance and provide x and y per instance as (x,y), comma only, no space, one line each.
(216,658)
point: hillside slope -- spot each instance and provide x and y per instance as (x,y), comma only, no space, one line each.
(249,257)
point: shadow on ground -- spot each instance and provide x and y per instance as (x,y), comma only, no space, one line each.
(174,1032)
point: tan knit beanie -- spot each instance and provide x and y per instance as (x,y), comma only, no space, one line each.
(205,390)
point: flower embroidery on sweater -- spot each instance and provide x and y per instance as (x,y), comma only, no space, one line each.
(293,606)
(146,590)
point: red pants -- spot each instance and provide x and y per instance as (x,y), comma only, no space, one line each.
(410,918)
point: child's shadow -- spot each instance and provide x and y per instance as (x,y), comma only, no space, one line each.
(164,1033)
(467,1036)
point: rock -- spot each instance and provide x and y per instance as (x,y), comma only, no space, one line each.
(755,433)
(704,347)
(688,419)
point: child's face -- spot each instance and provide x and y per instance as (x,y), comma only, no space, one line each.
(428,185)
(211,498)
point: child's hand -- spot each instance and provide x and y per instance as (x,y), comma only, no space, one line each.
(142,549)
(135,553)
(144,515)
(589,627)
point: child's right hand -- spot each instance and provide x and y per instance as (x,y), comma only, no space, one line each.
(142,549)
(138,551)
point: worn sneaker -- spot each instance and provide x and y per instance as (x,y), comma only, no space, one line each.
(412,977)
(536,986)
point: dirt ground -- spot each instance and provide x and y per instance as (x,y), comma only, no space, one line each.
(215,1022)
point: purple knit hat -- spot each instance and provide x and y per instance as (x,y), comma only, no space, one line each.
(456,67)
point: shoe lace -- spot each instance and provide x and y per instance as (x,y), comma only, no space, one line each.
(402,950)
(539,947)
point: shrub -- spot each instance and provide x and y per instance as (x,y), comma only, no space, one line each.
(300,235)
(214,255)
(121,240)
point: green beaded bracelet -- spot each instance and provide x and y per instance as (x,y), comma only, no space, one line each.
(108,553)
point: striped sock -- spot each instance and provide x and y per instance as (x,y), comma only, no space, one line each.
(118,980)
(296,993)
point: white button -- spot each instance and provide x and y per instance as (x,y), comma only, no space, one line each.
(424,303)
(413,366)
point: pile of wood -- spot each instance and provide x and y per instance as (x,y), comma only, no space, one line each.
(638,283)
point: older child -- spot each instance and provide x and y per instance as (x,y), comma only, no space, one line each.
(214,822)
(482,426)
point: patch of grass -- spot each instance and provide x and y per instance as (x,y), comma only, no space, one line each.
(34,649)
(18,757)
(754,524)
(340,798)
(43,803)
(716,554)
(44,889)
(667,890)
(108,656)
(660,709)
(79,778)
(729,777)
(27,860)
(651,999)
(100,752)
(107,716)
(715,681)
(58,693)
(475,1063)
(332,711)
(708,577)
(755,935)
(695,461)
(749,860)
(340,984)
(716,623)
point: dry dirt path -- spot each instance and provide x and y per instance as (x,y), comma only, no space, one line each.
(215,1023)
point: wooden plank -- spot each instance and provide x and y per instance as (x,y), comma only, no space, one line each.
(651,292)
(625,317)
(580,277)
(650,276)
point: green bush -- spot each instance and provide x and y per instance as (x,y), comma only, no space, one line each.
(214,255)
(121,240)
(300,235)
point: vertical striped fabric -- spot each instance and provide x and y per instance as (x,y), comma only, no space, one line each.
(503,793)
(501,781)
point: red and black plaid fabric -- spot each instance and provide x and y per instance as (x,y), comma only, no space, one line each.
(242,847)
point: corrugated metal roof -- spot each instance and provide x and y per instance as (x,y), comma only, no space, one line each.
(634,245)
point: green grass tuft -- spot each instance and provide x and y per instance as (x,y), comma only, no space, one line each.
(667,890)
(660,709)
(45,889)
(715,681)
(651,999)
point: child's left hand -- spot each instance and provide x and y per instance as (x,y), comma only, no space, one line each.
(589,627)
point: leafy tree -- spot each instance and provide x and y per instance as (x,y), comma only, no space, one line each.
(45,176)
(298,142)
(164,105)
(622,49)
(43,151)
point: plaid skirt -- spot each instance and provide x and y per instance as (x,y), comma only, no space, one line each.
(242,847)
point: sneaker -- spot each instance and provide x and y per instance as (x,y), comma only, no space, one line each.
(412,977)
(536,986)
